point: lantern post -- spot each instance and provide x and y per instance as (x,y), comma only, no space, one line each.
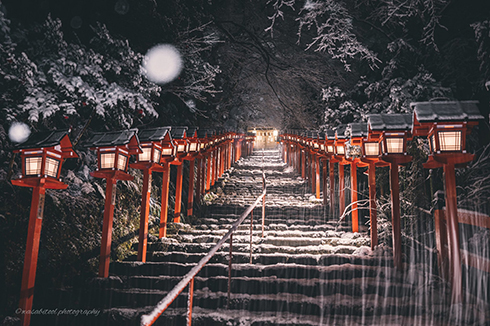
(169,153)
(42,156)
(394,131)
(149,161)
(193,153)
(339,154)
(316,153)
(370,155)
(330,151)
(353,154)
(179,138)
(446,124)
(113,152)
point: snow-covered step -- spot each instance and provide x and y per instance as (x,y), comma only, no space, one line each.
(271,259)
(280,270)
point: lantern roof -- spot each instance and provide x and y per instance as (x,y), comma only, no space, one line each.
(321,135)
(384,122)
(446,111)
(51,138)
(330,134)
(203,133)
(44,139)
(312,134)
(153,134)
(112,138)
(178,132)
(192,132)
(359,129)
(340,132)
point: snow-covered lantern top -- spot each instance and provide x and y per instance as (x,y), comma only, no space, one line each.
(179,137)
(446,125)
(113,151)
(42,155)
(394,131)
(340,140)
(154,142)
(330,142)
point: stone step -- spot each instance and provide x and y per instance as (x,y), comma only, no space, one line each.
(259,247)
(270,259)
(274,285)
(243,237)
(323,305)
(280,270)
(234,317)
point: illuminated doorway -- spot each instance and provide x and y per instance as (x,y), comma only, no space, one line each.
(265,137)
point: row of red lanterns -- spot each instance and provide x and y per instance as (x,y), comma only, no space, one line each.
(382,141)
(155,150)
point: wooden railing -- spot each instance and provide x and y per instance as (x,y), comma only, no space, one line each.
(188,279)
(469,259)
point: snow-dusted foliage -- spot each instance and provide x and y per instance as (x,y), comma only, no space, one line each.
(398,14)
(332,27)
(198,79)
(334,32)
(482,35)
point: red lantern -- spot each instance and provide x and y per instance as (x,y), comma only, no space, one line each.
(42,156)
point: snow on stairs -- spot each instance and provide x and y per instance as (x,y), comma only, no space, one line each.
(304,271)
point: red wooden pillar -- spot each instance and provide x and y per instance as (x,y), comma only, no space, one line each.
(145,210)
(453,233)
(395,215)
(32,250)
(214,166)
(303,164)
(199,179)
(353,183)
(190,197)
(105,248)
(312,172)
(317,177)
(208,172)
(230,155)
(372,205)
(331,165)
(341,190)
(178,193)
(441,242)
(164,205)
(325,173)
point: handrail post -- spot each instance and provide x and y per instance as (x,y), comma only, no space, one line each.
(229,272)
(189,302)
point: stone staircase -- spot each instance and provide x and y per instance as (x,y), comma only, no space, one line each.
(306,270)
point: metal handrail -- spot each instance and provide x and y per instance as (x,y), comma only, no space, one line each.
(150,318)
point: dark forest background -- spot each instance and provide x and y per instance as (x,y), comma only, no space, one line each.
(281,63)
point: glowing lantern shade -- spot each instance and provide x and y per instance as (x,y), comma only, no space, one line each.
(42,155)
